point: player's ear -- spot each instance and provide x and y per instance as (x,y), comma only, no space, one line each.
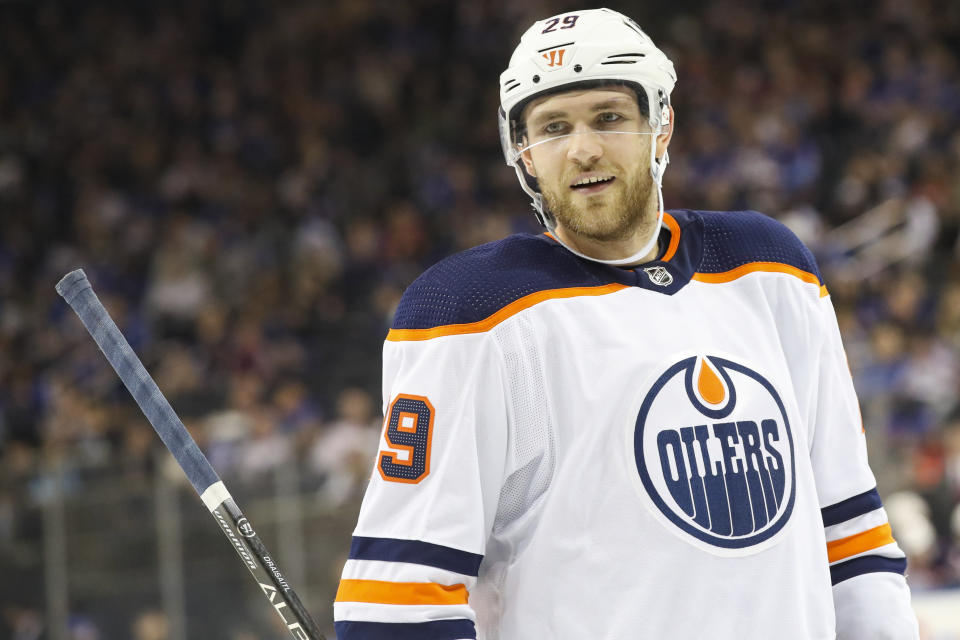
(663,140)
(528,161)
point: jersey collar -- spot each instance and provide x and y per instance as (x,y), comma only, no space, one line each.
(681,239)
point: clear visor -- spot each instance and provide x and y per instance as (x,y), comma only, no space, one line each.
(560,141)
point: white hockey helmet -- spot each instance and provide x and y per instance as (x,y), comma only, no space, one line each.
(581,49)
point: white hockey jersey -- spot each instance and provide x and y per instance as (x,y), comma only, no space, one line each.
(576,450)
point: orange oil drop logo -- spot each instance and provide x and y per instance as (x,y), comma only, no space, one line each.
(709,384)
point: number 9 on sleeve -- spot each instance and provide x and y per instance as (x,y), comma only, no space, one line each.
(409,428)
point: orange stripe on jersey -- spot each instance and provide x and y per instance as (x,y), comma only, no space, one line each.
(859,542)
(752,267)
(515,307)
(383,592)
(674,236)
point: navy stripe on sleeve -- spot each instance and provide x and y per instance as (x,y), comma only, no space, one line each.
(866,564)
(851,508)
(415,552)
(434,630)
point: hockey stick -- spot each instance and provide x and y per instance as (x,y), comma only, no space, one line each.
(76,290)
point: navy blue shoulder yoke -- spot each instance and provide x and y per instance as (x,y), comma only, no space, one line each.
(475,284)
(732,239)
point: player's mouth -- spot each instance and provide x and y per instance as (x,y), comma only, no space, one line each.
(592,183)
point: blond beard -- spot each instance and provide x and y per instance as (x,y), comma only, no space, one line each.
(622,219)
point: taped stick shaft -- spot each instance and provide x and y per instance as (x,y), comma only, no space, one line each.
(76,290)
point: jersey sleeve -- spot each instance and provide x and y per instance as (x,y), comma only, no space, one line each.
(433,493)
(867,567)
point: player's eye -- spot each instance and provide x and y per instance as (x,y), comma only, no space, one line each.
(608,117)
(554,127)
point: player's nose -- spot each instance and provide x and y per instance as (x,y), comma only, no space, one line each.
(585,146)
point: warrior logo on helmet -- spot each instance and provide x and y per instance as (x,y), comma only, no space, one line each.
(554,57)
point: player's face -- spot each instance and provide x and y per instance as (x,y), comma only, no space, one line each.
(596,181)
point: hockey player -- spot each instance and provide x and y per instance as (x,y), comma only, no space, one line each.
(639,424)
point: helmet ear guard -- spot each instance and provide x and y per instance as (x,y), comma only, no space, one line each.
(528,183)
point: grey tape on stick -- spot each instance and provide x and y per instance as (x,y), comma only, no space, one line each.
(76,290)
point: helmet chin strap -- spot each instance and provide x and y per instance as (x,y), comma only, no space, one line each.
(656,172)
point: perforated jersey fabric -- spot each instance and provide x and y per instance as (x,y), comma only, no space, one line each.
(733,239)
(475,284)
(533,448)
(472,285)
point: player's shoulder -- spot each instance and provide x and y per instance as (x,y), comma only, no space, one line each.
(732,239)
(472,285)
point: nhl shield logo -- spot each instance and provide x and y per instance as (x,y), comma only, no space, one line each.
(659,276)
(715,454)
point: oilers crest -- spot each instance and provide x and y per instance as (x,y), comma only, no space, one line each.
(714,451)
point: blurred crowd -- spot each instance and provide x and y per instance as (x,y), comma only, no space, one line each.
(250,187)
